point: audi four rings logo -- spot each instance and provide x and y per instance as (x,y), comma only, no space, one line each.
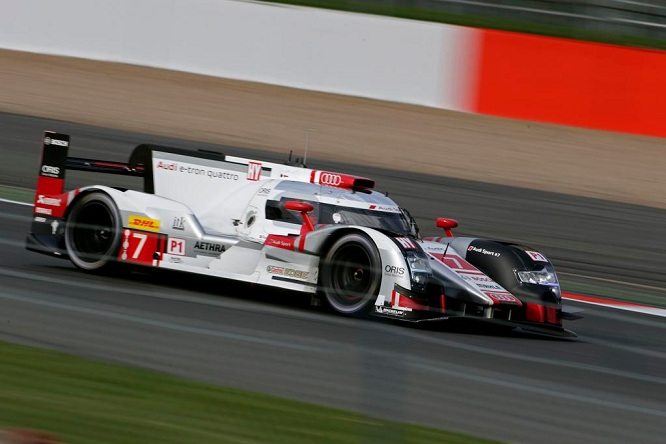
(333,180)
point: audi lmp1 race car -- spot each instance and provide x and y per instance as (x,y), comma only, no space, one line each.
(284,225)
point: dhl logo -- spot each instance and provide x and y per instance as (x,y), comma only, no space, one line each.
(143,223)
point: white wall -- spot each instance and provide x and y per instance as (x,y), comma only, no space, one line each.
(355,54)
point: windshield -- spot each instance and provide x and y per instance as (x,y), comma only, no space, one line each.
(381,220)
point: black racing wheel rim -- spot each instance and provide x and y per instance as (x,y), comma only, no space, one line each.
(93,234)
(352,276)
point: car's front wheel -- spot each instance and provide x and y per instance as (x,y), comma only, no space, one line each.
(350,274)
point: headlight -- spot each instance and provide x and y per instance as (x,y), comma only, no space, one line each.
(545,276)
(419,268)
(541,277)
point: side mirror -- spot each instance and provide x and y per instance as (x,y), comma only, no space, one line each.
(447,224)
(304,208)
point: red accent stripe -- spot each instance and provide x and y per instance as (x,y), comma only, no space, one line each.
(406,302)
(543,314)
(111,164)
(535,313)
(49,185)
(552,316)
(584,298)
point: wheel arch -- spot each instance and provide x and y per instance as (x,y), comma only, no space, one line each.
(85,192)
(388,251)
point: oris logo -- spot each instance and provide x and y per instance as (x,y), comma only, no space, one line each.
(49,141)
(393,270)
(50,169)
(333,180)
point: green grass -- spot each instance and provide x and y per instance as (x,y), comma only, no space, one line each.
(17,194)
(81,401)
(418,13)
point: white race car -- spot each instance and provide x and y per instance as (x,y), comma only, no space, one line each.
(284,225)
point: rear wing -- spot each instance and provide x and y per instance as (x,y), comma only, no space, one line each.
(193,177)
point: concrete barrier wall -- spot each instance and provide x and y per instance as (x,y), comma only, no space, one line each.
(362,55)
(443,66)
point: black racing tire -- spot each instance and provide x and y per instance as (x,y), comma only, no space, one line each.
(93,233)
(350,275)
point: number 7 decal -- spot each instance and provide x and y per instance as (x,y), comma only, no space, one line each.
(141,247)
(142,241)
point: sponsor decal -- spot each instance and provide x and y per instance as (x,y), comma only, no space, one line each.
(54,227)
(384,208)
(197,170)
(50,206)
(176,246)
(50,171)
(298,274)
(50,201)
(491,286)
(478,278)
(178,223)
(57,142)
(280,241)
(167,166)
(393,270)
(140,247)
(221,175)
(289,272)
(502,297)
(41,220)
(143,223)
(175,260)
(264,191)
(390,311)
(330,179)
(209,247)
(406,243)
(483,251)
(254,171)
(536,256)
(275,270)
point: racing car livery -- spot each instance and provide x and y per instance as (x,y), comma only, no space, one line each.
(288,226)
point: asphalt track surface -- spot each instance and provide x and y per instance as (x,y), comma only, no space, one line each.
(609,385)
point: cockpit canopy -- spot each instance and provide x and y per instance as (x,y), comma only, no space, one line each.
(339,206)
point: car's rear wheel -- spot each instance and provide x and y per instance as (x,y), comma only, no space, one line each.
(93,233)
(350,274)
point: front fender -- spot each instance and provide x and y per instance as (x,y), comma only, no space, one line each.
(394,270)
